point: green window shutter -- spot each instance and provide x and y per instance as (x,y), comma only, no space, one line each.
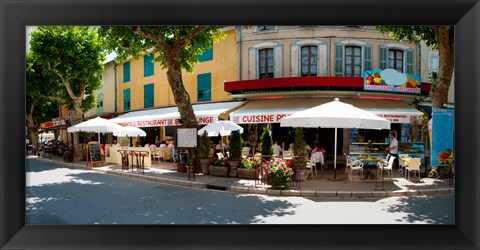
(148,96)
(99,104)
(204,87)
(126,72)
(148,65)
(339,65)
(409,62)
(367,57)
(126,99)
(383,60)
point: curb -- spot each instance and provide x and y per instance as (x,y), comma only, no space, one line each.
(267,191)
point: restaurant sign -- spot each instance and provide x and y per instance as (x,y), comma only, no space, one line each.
(263,118)
(390,80)
(396,118)
(59,121)
(143,123)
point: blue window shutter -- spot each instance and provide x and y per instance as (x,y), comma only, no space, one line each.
(409,62)
(148,65)
(148,96)
(207,55)
(339,65)
(100,104)
(367,57)
(204,87)
(126,99)
(383,60)
(126,72)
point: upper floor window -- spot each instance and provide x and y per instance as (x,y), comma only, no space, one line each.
(100,104)
(148,95)
(126,72)
(309,61)
(352,58)
(396,56)
(433,65)
(206,56)
(353,61)
(204,87)
(395,60)
(148,65)
(126,99)
(265,64)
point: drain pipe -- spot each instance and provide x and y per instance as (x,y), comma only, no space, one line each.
(115,84)
(239,41)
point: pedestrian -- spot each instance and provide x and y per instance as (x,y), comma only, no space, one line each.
(393,149)
(277,149)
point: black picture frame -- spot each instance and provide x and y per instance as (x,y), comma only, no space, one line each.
(16,15)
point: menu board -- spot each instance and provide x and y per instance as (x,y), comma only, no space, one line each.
(94,152)
(186,138)
(442,137)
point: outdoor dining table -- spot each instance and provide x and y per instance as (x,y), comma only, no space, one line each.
(369,164)
(139,159)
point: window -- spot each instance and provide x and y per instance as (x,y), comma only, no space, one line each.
(99,104)
(148,65)
(395,60)
(433,65)
(266,68)
(309,60)
(126,72)
(126,99)
(148,96)
(204,87)
(353,61)
(206,56)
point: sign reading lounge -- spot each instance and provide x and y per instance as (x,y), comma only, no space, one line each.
(148,122)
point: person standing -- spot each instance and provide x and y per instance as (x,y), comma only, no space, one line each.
(393,149)
(277,150)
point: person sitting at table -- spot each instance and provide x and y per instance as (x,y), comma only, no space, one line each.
(163,144)
(277,150)
(320,160)
(137,144)
(153,146)
(246,149)
(116,144)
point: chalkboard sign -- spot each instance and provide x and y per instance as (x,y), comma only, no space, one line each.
(94,153)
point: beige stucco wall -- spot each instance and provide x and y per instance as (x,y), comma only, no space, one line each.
(107,89)
(283,37)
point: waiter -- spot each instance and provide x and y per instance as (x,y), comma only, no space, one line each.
(393,149)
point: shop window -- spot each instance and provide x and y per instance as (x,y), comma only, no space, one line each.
(126,99)
(309,61)
(265,64)
(126,72)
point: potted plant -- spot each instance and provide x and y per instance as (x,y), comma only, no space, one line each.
(219,168)
(266,144)
(249,168)
(300,154)
(181,167)
(204,149)
(235,146)
(279,174)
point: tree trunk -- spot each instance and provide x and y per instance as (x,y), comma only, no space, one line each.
(439,91)
(76,118)
(180,94)
(32,130)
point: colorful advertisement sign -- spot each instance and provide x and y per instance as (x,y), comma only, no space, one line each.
(442,137)
(390,80)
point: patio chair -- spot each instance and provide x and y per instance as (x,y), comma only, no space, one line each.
(413,165)
(155,154)
(355,166)
(311,164)
(400,162)
(220,156)
(387,167)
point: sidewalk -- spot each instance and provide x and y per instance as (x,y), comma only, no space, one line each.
(319,186)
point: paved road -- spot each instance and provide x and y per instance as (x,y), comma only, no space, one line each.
(60,195)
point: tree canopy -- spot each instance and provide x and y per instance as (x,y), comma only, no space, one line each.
(175,47)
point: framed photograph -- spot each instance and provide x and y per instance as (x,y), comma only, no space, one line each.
(17,15)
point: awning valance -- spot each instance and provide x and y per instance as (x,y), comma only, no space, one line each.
(169,116)
(271,111)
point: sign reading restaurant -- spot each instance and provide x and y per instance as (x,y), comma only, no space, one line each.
(142,123)
(390,80)
(264,118)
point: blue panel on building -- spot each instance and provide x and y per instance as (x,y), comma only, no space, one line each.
(204,86)
(148,96)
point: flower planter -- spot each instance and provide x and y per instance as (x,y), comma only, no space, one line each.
(218,171)
(205,163)
(248,173)
(233,169)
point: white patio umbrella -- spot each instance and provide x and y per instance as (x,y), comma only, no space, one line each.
(96,125)
(222,128)
(129,131)
(335,114)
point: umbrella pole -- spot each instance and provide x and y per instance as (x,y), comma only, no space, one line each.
(335,159)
